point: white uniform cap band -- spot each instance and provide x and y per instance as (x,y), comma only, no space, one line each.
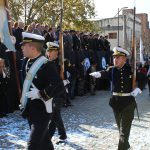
(32,36)
(52,44)
(121,50)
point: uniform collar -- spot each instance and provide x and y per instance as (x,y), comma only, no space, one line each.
(33,59)
(122,67)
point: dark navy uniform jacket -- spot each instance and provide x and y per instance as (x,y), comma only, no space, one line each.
(122,79)
(122,83)
(48,81)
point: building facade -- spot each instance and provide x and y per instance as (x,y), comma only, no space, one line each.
(145,33)
(119,30)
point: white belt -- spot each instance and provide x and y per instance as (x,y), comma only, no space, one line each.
(121,94)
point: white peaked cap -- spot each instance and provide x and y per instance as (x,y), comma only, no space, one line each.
(120,51)
(30,37)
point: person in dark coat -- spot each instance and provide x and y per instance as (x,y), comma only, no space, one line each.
(56,119)
(81,74)
(18,35)
(123,95)
(38,29)
(73,74)
(67,41)
(8,82)
(76,40)
(49,37)
(4,77)
(46,84)
(19,55)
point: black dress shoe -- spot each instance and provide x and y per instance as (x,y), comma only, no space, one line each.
(70,104)
(92,93)
(3,115)
(61,141)
(63,137)
(72,97)
(65,105)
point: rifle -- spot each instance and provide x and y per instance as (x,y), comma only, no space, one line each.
(61,44)
(4,4)
(133,57)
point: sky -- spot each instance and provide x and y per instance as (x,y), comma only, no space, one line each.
(109,8)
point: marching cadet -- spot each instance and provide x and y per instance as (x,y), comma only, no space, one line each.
(123,96)
(41,84)
(56,119)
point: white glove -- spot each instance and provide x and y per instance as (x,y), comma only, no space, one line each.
(33,94)
(66,82)
(95,74)
(135,92)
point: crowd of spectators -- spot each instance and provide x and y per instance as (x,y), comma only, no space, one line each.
(84,52)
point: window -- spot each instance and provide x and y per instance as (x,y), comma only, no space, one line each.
(112,35)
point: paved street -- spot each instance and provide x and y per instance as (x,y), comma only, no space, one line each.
(93,117)
(90,126)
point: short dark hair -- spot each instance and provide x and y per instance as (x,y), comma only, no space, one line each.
(37,45)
